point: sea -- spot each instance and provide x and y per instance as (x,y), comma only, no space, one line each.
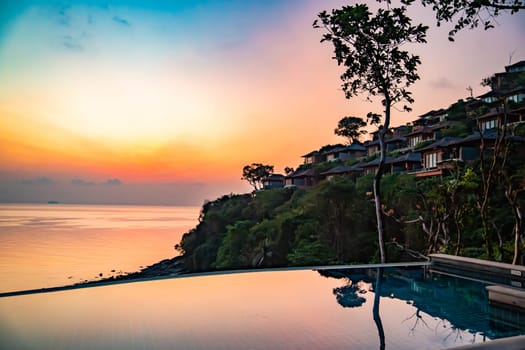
(48,245)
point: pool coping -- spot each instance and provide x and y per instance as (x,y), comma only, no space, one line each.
(93,284)
(510,343)
(515,273)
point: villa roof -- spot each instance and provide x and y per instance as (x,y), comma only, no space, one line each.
(352,147)
(355,147)
(424,130)
(389,140)
(412,157)
(375,162)
(311,154)
(441,143)
(302,173)
(520,64)
(275,177)
(343,169)
(488,135)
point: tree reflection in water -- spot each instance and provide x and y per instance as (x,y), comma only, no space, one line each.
(375,310)
(348,296)
(465,317)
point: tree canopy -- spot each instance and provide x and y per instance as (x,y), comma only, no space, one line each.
(256,173)
(351,128)
(369,47)
(469,13)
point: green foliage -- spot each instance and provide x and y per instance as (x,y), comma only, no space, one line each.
(333,222)
(311,252)
(424,143)
(230,254)
(369,47)
(460,129)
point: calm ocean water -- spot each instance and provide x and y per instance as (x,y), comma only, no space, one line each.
(50,245)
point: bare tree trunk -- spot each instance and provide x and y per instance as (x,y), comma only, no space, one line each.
(518,228)
(488,177)
(457,215)
(377,182)
(517,212)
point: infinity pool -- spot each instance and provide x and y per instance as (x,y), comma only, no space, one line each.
(299,309)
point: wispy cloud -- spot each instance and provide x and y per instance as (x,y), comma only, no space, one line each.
(64,18)
(113,182)
(120,20)
(80,182)
(442,83)
(71,43)
(42,180)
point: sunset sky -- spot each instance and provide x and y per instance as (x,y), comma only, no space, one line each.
(164,102)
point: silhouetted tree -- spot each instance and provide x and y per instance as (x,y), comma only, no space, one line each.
(469,13)
(256,173)
(369,46)
(351,128)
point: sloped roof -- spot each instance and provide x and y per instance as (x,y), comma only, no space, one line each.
(302,173)
(375,162)
(355,147)
(413,157)
(433,113)
(389,140)
(311,154)
(275,177)
(515,65)
(352,147)
(441,143)
(424,130)
(343,169)
(475,136)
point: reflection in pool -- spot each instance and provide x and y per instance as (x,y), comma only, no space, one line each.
(300,309)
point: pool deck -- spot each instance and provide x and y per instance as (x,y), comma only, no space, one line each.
(512,275)
(505,296)
(511,343)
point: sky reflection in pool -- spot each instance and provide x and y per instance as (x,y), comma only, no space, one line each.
(260,310)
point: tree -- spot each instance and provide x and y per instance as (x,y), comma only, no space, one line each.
(370,49)
(351,128)
(256,173)
(469,13)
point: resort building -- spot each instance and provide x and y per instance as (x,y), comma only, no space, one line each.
(431,145)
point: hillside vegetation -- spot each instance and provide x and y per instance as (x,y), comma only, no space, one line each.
(334,223)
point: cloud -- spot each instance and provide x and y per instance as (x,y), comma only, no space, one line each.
(113,182)
(121,21)
(80,182)
(64,18)
(42,180)
(71,43)
(442,83)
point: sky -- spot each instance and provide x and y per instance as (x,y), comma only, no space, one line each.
(164,102)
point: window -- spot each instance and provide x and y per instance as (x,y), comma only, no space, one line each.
(415,140)
(431,160)
(489,124)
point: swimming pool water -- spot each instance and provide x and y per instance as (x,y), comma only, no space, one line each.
(300,309)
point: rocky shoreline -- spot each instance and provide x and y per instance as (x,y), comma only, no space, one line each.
(164,268)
